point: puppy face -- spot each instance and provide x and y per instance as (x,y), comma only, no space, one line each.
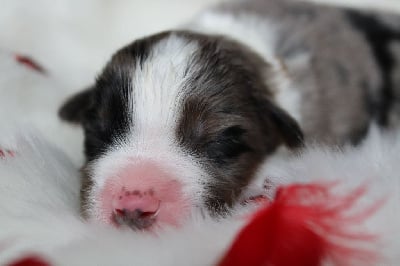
(176,122)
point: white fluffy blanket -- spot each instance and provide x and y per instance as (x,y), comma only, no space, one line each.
(39,182)
(39,206)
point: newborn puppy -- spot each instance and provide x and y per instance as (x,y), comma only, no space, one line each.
(176,120)
(180,121)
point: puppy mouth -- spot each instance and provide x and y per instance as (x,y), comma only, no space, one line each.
(136,219)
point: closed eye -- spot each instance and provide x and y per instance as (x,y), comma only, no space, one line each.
(228,145)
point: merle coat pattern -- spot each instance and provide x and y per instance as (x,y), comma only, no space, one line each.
(237,84)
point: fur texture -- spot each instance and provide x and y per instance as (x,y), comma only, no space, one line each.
(177,98)
(373,164)
(51,228)
(40,215)
(31,97)
(42,185)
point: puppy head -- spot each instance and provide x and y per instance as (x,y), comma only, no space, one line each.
(176,121)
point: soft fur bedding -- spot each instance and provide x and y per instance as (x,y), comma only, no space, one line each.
(39,208)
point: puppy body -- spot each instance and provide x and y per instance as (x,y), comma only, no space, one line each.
(335,69)
(181,120)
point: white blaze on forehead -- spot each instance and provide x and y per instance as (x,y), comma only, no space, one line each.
(158,87)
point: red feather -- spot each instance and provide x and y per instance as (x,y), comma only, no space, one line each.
(30,261)
(4,153)
(305,225)
(29,62)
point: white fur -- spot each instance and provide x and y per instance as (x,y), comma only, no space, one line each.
(157,91)
(158,87)
(374,163)
(47,223)
(38,195)
(39,215)
(28,96)
(200,243)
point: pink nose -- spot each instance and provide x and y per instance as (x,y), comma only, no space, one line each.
(141,196)
(136,209)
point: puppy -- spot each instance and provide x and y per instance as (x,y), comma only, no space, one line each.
(180,121)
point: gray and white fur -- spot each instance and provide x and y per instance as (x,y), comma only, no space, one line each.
(210,101)
(342,63)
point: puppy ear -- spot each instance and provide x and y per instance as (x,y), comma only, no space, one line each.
(287,127)
(74,108)
(290,130)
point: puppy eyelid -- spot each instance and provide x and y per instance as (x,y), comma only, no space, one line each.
(235,131)
(227,145)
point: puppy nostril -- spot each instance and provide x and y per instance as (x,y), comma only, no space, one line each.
(136,219)
(145,215)
(119,212)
